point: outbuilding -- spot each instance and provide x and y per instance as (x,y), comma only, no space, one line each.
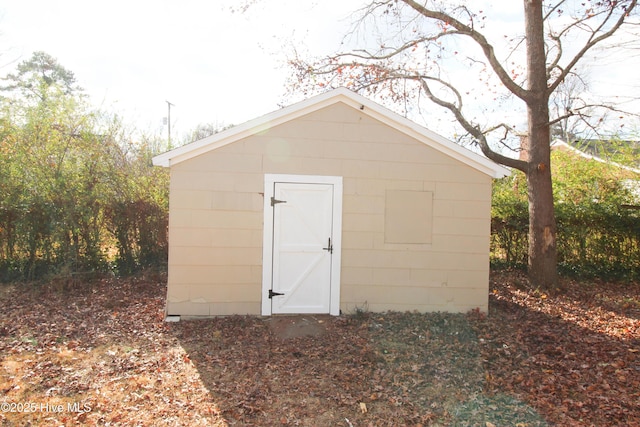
(334,204)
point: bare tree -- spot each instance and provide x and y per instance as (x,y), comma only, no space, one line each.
(204,130)
(573,112)
(432,49)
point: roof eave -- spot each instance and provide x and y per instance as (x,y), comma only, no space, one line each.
(318,102)
(248,128)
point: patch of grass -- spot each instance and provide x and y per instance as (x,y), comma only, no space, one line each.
(499,410)
(29,340)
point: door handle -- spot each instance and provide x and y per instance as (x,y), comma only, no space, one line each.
(329,247)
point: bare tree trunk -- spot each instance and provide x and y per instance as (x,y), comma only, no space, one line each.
(542,224)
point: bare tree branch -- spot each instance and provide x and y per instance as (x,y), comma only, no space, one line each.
(482,42)
(364,54)
(473,130)
(594,39)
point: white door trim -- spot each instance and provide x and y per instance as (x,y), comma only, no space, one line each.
(267,241)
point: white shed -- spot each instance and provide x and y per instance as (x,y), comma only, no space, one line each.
(331,204)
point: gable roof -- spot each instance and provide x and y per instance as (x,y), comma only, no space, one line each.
(318,102)
(560,144)
(605,147)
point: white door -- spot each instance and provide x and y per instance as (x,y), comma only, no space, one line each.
(303,247)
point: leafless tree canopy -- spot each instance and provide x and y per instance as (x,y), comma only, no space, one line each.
(460,58)
(489,69)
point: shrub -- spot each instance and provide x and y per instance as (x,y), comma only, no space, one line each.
(598,228)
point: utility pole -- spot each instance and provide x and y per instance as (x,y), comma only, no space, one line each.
(169,105)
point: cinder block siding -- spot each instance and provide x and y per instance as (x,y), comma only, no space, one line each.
(216,214)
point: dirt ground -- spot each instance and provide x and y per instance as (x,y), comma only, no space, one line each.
(101,354)
(286,327)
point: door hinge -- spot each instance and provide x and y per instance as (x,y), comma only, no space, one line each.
(275,201)
(329,247)
(273,294)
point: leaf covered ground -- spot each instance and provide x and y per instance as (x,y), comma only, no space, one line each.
(100,353)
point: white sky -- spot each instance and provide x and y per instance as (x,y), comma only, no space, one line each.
(132,56)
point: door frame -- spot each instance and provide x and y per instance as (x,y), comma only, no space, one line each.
(267,241)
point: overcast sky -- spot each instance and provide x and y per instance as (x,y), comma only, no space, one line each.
(215,66)
(133,56)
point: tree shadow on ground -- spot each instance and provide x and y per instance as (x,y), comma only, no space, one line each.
(368,369)
(259,378)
